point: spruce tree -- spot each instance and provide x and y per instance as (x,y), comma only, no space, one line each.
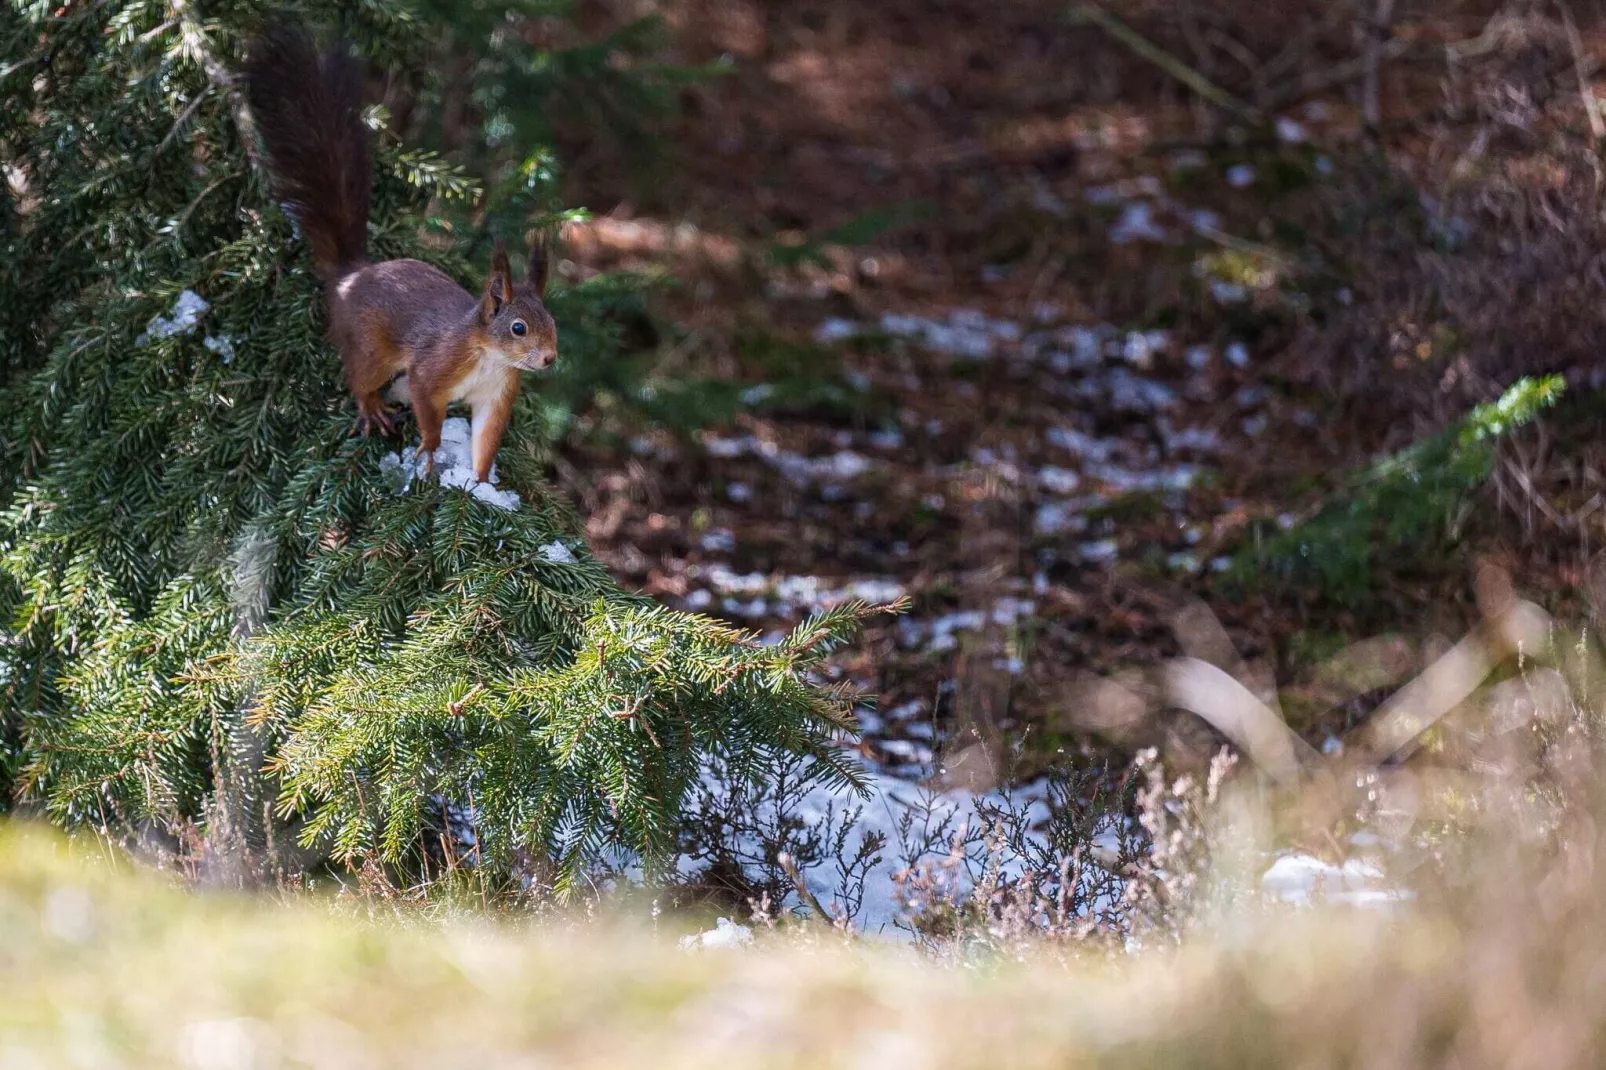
(213,593)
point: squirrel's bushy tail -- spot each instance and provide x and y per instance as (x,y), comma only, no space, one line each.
(309,112)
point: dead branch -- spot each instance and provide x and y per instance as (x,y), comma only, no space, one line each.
(1371,95)
(1586,94)
(1148,50)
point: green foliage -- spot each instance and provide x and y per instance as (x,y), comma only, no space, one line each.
(779,376)
(1406,506)
(204,578)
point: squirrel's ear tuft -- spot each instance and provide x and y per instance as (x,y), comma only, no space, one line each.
(499,284)
(539,267)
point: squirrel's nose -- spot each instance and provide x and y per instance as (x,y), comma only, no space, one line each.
(549,359)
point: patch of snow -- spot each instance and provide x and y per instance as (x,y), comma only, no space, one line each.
(726,935)
(718,541)
(755,594)
(1301,879)
(454,467)
(892,797)
(1058,518)
(835,330)
(755,395)
(1240,175)
(727,447)
(1058,480)
(739,492)
(186,313)
(1006,611)
(1228,293)
(1127,481)
(490,494)
(941,633)
(906,750)
(1137,224)
(1141,346)
(967,334)
(1251,396)
(1087,345)
(1196,439)
(1290,130)
(1101,552)
(842,465)
(1131,393)
(986,458)
(758,607)
(1238,355)
(557,553)
(222,345)
(906,710)
(1081,443)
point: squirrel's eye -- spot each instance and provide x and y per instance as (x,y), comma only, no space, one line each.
(519,328)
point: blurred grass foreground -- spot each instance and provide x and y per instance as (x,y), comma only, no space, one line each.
(1469,808)
(103,966)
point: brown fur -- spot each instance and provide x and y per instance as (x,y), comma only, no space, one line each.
(394,317)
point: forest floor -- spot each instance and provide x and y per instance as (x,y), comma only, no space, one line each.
(1021,329)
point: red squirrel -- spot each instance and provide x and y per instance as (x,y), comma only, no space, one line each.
(394,316)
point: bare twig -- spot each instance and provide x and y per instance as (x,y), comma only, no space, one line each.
(1293,54)
(1236,49)
(178,123)
(1447,683)
(1146,49)
(1336,75)
(1597,128)
(1237,713)
(1371,96)
(796,877)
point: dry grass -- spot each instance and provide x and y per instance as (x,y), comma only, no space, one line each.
(109,969)
(1479,779)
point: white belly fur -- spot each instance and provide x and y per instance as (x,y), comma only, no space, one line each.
(481,388)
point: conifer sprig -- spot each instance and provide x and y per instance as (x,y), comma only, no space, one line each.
(203,578)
